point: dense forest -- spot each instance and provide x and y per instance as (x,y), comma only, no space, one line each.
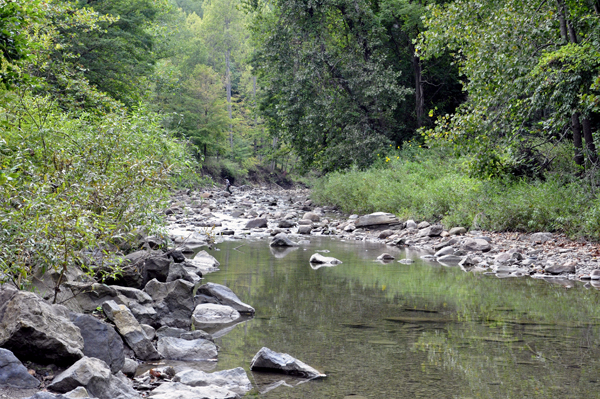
(476,113)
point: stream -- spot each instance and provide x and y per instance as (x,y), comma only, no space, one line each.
(406,331)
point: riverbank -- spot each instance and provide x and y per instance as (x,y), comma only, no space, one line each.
(262,213)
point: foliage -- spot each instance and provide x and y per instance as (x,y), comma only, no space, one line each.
(434,186)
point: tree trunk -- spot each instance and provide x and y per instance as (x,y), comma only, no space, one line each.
(228,83)
(577,139)
(562,21)
(589,140)
(419,99)
(273,162)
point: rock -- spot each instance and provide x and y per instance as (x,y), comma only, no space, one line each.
(227,232)
(13,373)
(305,222)
(320,259)
(444,251)
(166,331)
(100,341)
(156,267)
(449,259)
(129,367)
(282,240)
(205,261)
(304,229)
(476,244)
(423,225)
(411,224)
(268,360)
(235,380)
(196,334)
(257,223)
(313,217)
(595,274)
(554,268)
(350,228)
(209,314)
(384,256)
(457,231)
(130,330)
(377,219)
(176,255)
(432,231)
(385,234)
(286,224)
(179,271)
(183,349)
(34,330)
(76,393)
(177,390)
(149,331)
(90,297)
(502,258)
(540,238)
(95,376)
(222,295)
(173,301)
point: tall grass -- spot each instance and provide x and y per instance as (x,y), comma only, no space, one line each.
(429,185)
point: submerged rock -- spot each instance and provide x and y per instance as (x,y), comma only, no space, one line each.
(320,259)
(385,256)
(268,360)
(282,240)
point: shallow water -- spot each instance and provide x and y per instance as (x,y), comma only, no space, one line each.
(407,331)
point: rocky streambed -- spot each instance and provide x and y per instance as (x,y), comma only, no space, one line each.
(137,335)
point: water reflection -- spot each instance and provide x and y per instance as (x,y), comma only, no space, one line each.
(419,330)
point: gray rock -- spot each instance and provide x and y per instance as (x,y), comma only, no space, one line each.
(406,261)
(502,258)
(196,334)
(305,222)
(377,219)
(177,390)
(457,231)
(179,271)
(286,224)
(423,225)
(166,331)
(350,227)
(304,229)
(595,274)
(540,238)
(156,267)
(183,349)
(257,223)
(384,256)
(222,295)
(204,261)
(476,244)
(90,297)
(411,224)
(320,259)
(282,240)
(34,330)
(48,395)
(13,373)
(435,230)
(235,380)
(444,251)
(95,376)
(100,341)
(129,367)
(173,301)
(560,268)
(385,234)
(268,360)
(313,217)
(149,331)
(210,314)
(130,330)
(449,259)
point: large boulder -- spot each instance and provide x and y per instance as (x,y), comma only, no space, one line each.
(203,262)
(173,301)
(185,349)
(177,390)
(95,376)
(210,314)
(13,373)
(222,295)
(35,330)
(100,341)
(377,219)
(91,296)
(131,330)
(235,380)
(268,360)
(320,259)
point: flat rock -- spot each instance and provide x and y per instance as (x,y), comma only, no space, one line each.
(540,238)
(34,330)
(560,268)
(444,251)
(476,244)
(131,330)
(183,349)
(210,314)
(205,261)
(457,231)
(95,376)
(222,295)
(177,390)
(268,360)
(320,259)
(286,224)
(304,229)
(235,380)
(257,223)
(13,373)
(377,219)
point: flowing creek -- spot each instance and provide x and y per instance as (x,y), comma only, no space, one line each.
(407,331)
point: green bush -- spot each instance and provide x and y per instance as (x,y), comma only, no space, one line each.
(429,185)
(76,182)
